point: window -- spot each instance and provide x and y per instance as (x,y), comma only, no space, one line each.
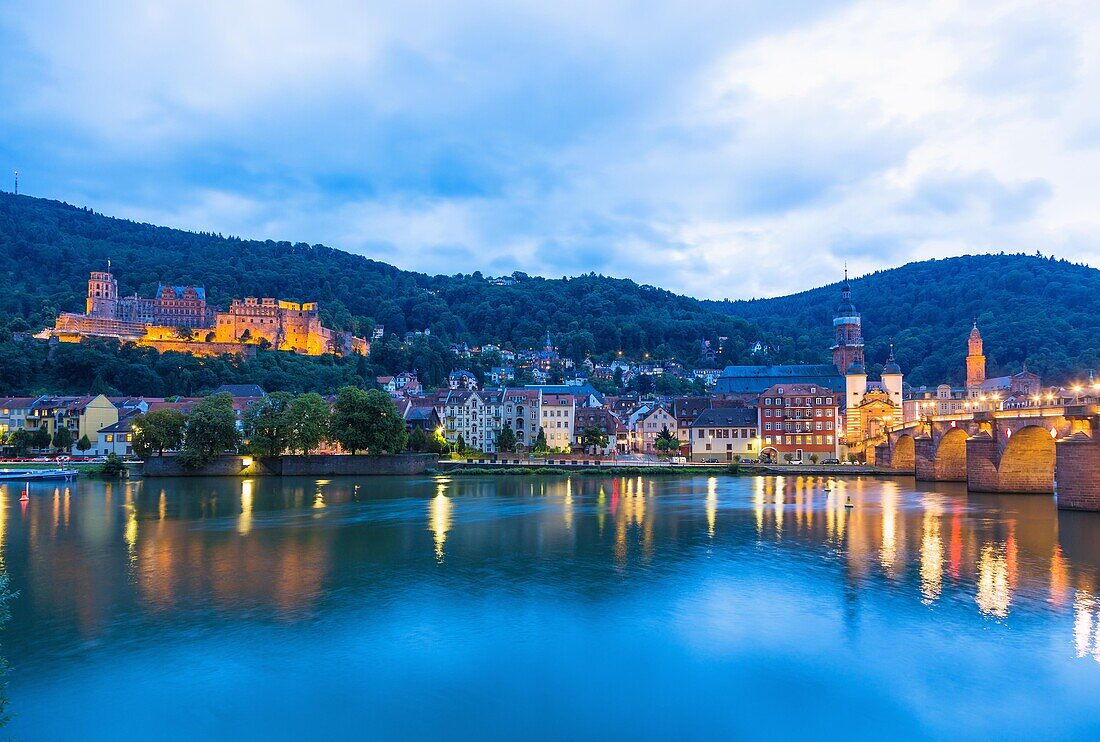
(767,426)
(700,435)
(817,401)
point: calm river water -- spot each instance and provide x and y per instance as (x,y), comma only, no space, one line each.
(546,608)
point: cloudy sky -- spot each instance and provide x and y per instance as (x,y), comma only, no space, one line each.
(721,149)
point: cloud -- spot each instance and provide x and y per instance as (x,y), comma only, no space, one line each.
(719,149)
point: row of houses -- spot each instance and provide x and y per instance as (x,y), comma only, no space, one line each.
(107,422)
(800,420)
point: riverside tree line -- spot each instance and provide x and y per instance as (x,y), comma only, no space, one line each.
(360,421)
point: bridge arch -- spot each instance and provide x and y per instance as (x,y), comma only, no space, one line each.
(1027,462)
(949,460)
(903,455)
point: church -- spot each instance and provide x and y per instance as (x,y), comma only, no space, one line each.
(869,406)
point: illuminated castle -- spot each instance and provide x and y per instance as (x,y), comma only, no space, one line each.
(178,318)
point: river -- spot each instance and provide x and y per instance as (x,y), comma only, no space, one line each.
(547,608)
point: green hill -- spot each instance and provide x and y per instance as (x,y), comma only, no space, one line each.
(1030,308)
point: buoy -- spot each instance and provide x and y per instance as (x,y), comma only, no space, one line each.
(26,494)
(849,503)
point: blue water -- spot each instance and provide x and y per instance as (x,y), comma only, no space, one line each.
(548,608)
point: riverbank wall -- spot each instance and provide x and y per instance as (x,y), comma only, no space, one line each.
(294,466)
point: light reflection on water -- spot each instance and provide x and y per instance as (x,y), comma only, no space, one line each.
(681,591)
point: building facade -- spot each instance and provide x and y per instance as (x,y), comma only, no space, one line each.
(800,420)
(725,434)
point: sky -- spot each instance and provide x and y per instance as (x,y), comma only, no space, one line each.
(725,149)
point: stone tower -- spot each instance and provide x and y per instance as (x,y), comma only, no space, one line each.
(102,295)
(848,350)
(975,362)
(893,379)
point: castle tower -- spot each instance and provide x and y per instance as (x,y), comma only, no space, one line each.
(892,378)
(975,362)
(848,349)
(102,294)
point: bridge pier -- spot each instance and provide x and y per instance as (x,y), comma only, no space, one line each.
(924,459)
(1077,470)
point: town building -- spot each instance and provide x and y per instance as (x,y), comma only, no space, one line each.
(521,412)
(606,421)
(472,416)
(82,416)
(800,420)
(557,413)
(115,439)
(462,379)
(724,434)
(648,425)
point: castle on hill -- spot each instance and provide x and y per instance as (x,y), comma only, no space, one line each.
(178,318)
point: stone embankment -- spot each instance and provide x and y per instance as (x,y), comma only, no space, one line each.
(293,466)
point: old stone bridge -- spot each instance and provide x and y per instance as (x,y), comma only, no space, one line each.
(1034,450)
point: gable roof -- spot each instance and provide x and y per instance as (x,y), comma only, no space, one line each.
(726,417)
(755,379)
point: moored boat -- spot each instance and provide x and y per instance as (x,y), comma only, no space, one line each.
(28,475)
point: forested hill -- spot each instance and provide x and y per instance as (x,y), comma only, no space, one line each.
(47,249)
(1030,309)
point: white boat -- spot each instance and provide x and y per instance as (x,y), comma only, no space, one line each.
(28,475)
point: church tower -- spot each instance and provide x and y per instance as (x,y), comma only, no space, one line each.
(848,350)
(975,362)
(892,379)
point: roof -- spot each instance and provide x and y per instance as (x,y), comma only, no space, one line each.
(178,290)
(755,379)
(801,389)
(241,390)
(726,417)
(125,425)
(583,389)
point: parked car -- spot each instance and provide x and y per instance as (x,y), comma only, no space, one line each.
(830,461)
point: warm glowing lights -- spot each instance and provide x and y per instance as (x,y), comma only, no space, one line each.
(889,551)
(439,519)
(931,554)
(1086,625)
(712,504)
(244,521)
(994,594)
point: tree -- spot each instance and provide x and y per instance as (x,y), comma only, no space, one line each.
(540,442)
(814,458)
(183,332)
(20,441)
(437,442)
(309,422)
(666,441)
(418,440)
(112,467)
(594,438)
(506,440)
(211,430)
(267,424)
(367,421)
(460,443)
(788,457)
(83,444)
(63,438)
(40,439)
(246,336)
(159,431)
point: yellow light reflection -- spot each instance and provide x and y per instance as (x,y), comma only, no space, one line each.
(567,506)
(244,521)
(889,551)
(931,554)
(712,504)
(439,520)
(993,595)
